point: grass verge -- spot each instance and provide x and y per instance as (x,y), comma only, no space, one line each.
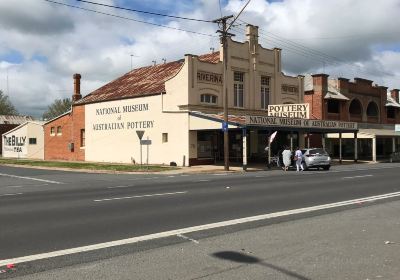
(87,165)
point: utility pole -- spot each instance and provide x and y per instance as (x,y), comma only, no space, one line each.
(222,22)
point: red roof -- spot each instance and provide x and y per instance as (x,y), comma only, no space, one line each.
(210,57)
(138,82)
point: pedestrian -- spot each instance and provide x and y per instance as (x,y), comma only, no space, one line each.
(287,158)
(298,157)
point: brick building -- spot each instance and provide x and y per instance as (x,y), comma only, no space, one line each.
(64,136)
(371,106)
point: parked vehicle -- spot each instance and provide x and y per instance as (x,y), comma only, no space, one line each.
(316,158)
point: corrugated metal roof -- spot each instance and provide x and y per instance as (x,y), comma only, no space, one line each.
(210,57)
(138,82)
(390,102)
(5,119)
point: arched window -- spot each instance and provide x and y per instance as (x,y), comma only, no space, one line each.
(355,107)
(208,98)
(372,109)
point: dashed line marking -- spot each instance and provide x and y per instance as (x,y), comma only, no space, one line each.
(359,176)
(10,194)
(187,238)
(138,196)
(30,178)
(118,187)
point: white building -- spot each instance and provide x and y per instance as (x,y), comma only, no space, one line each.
(24,141)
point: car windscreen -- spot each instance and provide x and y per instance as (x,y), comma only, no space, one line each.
(318,152)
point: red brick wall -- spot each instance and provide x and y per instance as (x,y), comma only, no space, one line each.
(56,146)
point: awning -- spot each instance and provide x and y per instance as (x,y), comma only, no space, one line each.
(367,133)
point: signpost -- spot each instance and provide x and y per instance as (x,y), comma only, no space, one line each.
(140,135)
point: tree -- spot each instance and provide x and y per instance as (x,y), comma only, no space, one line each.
(58,107)
(6,107)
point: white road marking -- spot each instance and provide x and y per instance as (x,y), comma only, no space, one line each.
(220,174)
(10,194)
(117,187)
(360,176)
(193,229)
(184,175)
(27,186)
(187,238)
(14,186)
(30,178)
(204,180)
(138,196)
(172,176)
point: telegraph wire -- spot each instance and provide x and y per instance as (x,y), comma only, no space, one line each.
(139,11)
(130,19)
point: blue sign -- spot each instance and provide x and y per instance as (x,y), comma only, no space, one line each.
(224,126)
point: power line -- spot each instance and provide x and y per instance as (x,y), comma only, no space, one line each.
(144,12)
(126,18)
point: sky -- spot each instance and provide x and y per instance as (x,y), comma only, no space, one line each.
(42,44)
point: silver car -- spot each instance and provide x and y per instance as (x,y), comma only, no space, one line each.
(316,158)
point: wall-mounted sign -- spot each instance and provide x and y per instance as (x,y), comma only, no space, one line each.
(397,127)
(209,78)
(298,111)
(299,123)
(14,143)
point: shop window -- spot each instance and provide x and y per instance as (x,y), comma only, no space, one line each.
(52,131)
(208,98)
(83,138)
(32,141)
(355,107)
(238,89)
(165,137)
(372,110)
(390,113)
(59,130)
(265,90)
(333,106)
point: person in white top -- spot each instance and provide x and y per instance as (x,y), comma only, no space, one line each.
(286,156)
(298,156)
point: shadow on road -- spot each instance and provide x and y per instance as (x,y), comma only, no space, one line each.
(243,258)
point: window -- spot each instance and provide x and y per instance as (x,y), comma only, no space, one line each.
(59,130)
(165,137)
(32,141)
(390,113)
(52,130)
(355,107)
(208,98)
(238,86)
(82,138)
(333,106)
(372,109)
(265,83)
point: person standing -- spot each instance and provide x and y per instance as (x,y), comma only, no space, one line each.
(298,156)
(287,158)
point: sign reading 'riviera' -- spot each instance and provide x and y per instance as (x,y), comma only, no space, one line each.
(299,123)
(211,78)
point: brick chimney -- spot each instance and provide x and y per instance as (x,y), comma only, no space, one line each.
(77,88)
(394,93)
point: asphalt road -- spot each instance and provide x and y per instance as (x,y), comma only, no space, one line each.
(44,211)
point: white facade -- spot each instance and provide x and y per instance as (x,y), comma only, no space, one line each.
(24,141)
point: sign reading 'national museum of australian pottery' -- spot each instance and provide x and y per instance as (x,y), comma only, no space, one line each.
(300,123)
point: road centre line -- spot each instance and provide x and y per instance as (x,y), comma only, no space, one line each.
(138,196)
(30,178)
(117,187)
(10,194)
(360,176)
(193,229)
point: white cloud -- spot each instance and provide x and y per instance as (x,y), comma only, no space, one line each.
(100,47)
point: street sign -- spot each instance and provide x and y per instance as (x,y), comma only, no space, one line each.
(224,126)
(397,127)
(145,142)
(140,134)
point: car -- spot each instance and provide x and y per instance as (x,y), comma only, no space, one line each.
(316,158)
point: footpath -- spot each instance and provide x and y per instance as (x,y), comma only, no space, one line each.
(361,243)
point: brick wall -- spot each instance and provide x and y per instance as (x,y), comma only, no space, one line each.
(57,145)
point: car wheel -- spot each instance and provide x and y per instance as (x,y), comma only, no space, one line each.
(304,165)
(326,167)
